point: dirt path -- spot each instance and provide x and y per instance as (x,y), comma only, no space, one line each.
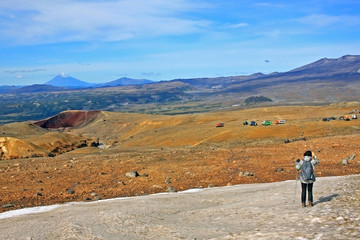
(249,211)
(206,139)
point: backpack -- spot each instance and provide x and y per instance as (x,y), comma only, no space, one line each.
(307,171)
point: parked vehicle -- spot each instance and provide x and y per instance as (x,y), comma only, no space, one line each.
(280,122)
(220,125)
(253,123)
(347,117)
(354,116)
(266,123)
(245,123)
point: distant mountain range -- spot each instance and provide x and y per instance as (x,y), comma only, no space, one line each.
(326,80)
(124,82)
(37,88)
(346,68)
(321,82)
(66,81)
(63,82)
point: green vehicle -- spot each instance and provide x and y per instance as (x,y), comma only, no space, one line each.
(266,123)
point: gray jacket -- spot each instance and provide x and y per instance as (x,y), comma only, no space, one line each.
(313,160)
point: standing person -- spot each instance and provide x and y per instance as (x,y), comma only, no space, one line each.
(307,176)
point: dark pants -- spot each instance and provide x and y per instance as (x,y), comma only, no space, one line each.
(309,187)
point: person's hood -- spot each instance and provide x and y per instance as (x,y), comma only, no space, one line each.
(307,158)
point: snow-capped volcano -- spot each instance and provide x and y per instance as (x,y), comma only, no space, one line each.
(64,80)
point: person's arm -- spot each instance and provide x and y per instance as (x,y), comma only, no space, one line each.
(315,160)
(298,164)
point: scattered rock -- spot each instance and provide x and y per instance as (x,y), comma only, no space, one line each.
(167,181)
(68,165)
(246,174)
(7,205)
(38,194)
(121,182)
(70,191)
(96,198)
(132,174)
(280,169)
(345,161)
(171,189)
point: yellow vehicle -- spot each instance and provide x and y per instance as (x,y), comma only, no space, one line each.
(347,117)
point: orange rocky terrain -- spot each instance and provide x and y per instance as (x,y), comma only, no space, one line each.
(87,156)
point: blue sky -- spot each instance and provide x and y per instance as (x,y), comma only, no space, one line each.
(100,41)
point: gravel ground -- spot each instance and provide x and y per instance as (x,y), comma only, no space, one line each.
(248,211)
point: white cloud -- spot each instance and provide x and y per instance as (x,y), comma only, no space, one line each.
(43,21)
(266,4)
(24,71)
(237,25)
(321,20)
(151,74)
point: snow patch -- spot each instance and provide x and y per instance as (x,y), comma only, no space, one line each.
(24,211)
(42,209)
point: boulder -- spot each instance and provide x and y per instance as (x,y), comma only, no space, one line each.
(132,174)
(246,174)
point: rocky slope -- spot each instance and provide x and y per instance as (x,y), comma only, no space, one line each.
(173,153)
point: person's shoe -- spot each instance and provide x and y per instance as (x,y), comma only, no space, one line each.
(303,205)
(311,204)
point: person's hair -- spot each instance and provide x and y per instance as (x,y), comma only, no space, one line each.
(308,153)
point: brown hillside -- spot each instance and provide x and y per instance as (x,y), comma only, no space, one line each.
(12,148)
(68,119)
(184,151)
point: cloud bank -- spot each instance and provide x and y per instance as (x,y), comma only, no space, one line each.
(42,21)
